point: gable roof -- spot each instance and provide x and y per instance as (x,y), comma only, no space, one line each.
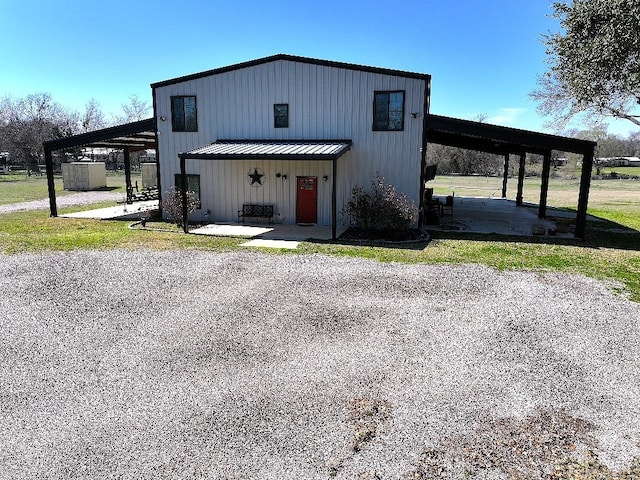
(293,58)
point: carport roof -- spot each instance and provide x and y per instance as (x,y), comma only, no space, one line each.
(497,139)
(270,149)
(140,135)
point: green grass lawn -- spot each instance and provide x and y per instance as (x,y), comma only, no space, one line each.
(606,254)
(15,188)
(630,171)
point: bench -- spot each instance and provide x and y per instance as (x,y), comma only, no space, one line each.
(256,211)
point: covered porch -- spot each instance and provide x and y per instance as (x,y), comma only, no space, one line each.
(271,150)
(515,142)
(495,215)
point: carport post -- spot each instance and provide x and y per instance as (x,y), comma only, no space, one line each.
(583,198)
(183,195)
(505,175)
(544,187)
(520,179)
(48,161)
(127,174)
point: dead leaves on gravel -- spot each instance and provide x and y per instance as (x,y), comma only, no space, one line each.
(367,415)
(542,446)
(547,445)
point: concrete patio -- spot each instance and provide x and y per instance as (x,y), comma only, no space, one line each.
(502,216)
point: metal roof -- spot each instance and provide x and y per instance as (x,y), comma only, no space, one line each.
(270,149)
(298,59)
(497,139)
(140,135)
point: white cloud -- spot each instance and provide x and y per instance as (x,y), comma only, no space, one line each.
(506,116)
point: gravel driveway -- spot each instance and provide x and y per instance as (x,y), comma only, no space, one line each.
(81,198)
(140,364)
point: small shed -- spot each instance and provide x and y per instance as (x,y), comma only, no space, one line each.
(149,175)
(84,175)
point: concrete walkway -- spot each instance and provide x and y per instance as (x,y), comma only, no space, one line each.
(269,236)
(119,212)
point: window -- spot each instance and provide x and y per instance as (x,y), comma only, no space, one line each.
(193,185)
(281,115)
(184,114)
(388,111)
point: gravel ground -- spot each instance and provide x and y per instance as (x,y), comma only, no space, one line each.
(81,198)
(139,364)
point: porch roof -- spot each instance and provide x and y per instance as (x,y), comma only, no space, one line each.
(270,149)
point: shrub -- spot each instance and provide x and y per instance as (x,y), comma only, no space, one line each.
(381,208)
(172,204)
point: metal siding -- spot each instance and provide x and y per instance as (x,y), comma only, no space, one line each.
(325,102)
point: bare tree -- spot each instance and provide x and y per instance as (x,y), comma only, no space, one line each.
(135,110)
(29,121)
(92,118)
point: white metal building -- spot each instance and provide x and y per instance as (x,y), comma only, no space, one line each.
(292,132)
(287,138)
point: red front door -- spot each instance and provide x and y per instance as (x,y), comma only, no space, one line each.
(307,200)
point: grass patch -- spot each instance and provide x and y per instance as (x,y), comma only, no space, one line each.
(630,171)
(16,188)
(35,231)
(20,188)
(609,251)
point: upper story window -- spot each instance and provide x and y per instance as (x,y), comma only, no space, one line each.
(184,114)
(388,111)
(281,115)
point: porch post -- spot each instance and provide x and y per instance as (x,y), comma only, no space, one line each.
(334,201)
(127,174)
(544,187)
(48,161)
(421,205)
(520,179)
(583,197)
(183,194)
(505,175)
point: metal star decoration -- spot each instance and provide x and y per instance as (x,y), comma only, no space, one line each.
(256,177)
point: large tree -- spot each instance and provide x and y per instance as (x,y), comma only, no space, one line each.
(594,62)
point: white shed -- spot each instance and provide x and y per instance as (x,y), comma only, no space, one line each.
(149,175)
(84,175)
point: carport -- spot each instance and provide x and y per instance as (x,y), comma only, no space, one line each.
(129,137)
(506,141)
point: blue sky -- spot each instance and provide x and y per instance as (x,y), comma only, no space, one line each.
(483,55)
